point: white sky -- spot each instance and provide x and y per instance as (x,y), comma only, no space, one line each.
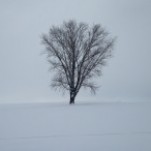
(24,75)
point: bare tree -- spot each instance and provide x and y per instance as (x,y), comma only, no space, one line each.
(77,52)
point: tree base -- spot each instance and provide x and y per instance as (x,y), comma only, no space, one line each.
(71,101)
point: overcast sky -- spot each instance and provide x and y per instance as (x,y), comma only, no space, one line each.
(24,75)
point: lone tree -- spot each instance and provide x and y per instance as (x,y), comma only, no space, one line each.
(77,52)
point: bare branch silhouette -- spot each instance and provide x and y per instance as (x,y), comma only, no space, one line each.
(77,52)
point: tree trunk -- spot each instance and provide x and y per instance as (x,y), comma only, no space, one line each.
(72,98)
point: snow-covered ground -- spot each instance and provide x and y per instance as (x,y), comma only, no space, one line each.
(80,127)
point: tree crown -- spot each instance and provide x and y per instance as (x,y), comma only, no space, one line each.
(77,52)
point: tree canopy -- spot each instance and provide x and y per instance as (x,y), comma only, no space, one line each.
(77,52)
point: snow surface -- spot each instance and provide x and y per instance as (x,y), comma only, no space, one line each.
(80,127)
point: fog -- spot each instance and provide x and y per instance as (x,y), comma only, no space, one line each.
(24,75)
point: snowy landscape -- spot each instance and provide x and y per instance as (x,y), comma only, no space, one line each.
(80,127)
(34,117)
